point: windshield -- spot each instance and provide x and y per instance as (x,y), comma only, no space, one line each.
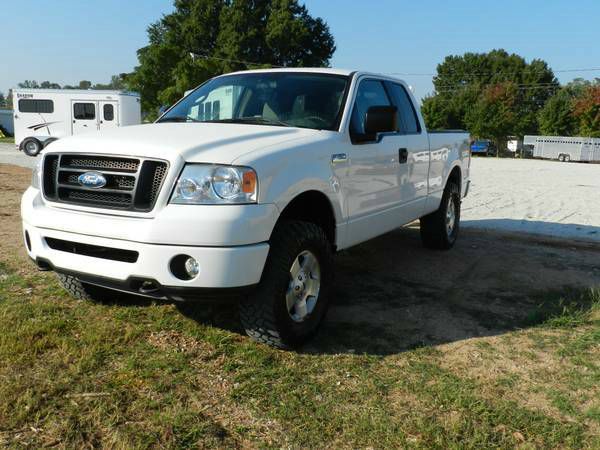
(305,100)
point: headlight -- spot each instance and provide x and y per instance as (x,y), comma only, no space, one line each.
(36,174)
(205,184)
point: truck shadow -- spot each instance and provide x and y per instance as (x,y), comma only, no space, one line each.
(391,295)
(558,230)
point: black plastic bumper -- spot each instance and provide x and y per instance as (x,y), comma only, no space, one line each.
(151,288)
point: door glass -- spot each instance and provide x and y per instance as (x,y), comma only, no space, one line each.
(84,111)
(109,112)
(370,93)
(406,111)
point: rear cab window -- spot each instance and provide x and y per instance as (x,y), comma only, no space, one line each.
(407,115)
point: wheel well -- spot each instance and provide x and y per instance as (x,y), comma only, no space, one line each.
(314,207)
(455,176)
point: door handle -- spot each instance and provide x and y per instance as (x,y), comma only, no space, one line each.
(339,158)
(402,155)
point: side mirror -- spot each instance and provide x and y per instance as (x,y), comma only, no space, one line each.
(381,119)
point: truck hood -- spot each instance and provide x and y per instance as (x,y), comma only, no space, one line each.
(219,143)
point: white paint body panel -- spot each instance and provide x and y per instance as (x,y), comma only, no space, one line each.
(370,193)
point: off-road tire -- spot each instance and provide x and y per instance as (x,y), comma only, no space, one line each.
(264,314)
(84,291)
(434,234)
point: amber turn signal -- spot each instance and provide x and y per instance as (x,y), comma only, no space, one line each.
(249,182)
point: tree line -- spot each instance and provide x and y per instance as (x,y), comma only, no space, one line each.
(497,95)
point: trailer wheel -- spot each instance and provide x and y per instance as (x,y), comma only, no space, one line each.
(561,157)
(567,158)
(31,146)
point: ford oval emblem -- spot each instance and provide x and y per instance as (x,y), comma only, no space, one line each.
(92,180)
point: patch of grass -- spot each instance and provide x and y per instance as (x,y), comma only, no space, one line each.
(565,309)
(79,374)
(7,140)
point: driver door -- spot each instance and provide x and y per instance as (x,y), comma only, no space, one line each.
(370,176)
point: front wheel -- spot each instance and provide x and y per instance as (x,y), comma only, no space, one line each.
(439,230)
(84,291)
(292,297)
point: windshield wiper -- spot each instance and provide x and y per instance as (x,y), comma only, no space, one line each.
(257,120)
(179,119)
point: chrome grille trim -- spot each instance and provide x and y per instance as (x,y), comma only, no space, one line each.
(132,184)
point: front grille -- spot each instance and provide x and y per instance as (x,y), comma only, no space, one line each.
(131,184)
(95,251)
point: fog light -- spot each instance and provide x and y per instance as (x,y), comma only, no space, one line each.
(184,267)
(192,267)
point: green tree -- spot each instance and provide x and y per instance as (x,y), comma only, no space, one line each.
(556,118)
(29,84)
(49,85)
(462,84)
(204,38)
(117,82)
(586,109)
(496,113)
(2,100)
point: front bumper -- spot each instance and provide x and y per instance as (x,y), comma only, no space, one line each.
(231,267)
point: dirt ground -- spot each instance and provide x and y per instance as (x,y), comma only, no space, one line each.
(391,294)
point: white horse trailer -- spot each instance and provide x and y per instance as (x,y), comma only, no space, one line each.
(45,115)
(561,148)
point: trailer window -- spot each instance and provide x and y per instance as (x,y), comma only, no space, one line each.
(84,111)
(36,106)
(109,112)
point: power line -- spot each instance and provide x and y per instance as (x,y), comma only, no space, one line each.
(474,73)
(247,63)
(499,72)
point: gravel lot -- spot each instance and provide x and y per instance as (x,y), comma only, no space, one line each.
(533,196)
(8,155)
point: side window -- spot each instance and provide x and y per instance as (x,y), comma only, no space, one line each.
(369,93)
(406,110)
(36,106)
(108,112)
(84,111)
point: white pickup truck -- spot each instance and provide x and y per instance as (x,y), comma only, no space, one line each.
(245,189)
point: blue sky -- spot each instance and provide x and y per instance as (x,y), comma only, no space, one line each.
(69,40)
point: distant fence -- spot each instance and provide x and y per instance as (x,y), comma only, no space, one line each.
(6,121)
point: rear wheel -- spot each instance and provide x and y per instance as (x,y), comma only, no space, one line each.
(439,230)
(84,291)
(31,147)
(567,158)
(561,157)
(292,298)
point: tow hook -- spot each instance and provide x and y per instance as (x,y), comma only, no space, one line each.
(148,287)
